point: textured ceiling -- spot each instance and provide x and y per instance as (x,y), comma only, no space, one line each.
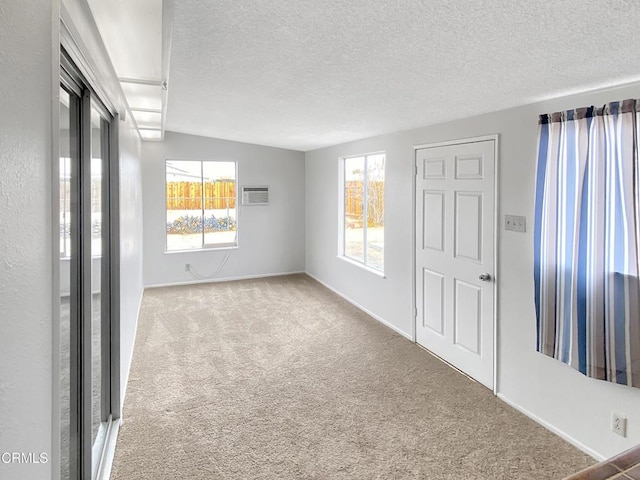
(307,74)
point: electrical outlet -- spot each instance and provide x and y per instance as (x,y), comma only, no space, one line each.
(515,223)
(187,267)
(619,423)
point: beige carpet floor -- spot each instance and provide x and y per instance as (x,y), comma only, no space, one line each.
(279,378)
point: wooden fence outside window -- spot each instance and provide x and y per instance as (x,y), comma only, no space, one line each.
(188,195)
(353,204)
(222,194)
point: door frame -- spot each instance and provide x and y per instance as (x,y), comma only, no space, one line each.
(496,236)
(74,68)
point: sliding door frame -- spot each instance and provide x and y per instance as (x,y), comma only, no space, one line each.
(113,247)
(82,98)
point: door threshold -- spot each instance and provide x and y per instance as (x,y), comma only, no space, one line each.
(108,450)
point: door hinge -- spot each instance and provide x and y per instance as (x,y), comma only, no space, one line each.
(415,312)
(415,170)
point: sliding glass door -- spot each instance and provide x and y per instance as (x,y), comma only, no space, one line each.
(88,268)
(68,115)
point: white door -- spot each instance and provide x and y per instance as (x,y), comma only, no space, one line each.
(455,205)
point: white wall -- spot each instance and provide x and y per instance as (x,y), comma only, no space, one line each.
(25,238)
(131,244)
(270,237)
(573,405)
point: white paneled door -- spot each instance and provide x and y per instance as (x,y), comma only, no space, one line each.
(455,210)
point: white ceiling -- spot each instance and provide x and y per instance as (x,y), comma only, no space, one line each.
(304,74)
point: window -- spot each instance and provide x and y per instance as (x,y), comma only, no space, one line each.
(362,215)
(201,205)
(65,189)
(96,194)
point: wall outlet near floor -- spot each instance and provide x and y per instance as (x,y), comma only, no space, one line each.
(515,223)
(187,267)
(619,423)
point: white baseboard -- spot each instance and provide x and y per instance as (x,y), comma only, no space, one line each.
(551,428)
(357,305)
(222,279)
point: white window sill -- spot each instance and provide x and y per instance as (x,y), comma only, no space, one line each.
(362,266)
(205,249)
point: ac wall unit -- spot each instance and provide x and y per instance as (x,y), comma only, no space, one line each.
(255,195)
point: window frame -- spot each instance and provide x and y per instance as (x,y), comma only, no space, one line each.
(342,230)
(204,246)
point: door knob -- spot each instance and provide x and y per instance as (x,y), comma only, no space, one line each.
(485,277)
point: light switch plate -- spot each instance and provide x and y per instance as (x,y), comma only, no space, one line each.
(515,223)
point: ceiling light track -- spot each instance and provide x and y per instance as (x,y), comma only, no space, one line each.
(142,81)
(146,110)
